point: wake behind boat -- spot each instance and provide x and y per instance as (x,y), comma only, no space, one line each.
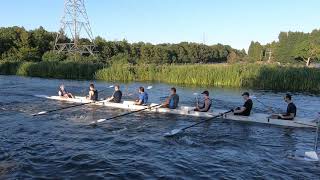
(189,111)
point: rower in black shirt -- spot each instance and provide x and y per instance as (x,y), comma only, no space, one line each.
(93,93)
(246,109)
(291,109)
(206,105)
(117,95)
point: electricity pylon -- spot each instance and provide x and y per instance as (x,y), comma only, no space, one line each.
(269,52)
(74,21)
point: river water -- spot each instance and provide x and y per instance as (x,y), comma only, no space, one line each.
(63,145)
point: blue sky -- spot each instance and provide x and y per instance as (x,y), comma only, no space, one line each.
(232,22)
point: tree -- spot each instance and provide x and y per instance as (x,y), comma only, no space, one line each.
(255,51)
(16,43)
(308,49)
(42,40)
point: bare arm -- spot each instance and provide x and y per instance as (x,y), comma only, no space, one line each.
(110,98)
(90,94)
(240,110)
(167,101)
(139,102)
(290,116)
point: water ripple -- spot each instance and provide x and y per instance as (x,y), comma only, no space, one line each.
(62,145)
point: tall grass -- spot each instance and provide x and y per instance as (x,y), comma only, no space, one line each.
(9,67)
(255,76)
(269,77)
(65,70)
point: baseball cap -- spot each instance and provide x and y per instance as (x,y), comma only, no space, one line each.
(205,92)
(245,94)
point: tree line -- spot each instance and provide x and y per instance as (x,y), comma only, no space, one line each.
(291,47)
(19,44)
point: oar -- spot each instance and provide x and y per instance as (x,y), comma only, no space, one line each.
(59,109)
(197,99)
(269,107)
(94,123)
(129,95)
(312,155)
(54,110)
(177,131)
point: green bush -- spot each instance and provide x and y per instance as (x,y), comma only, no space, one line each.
(53,56)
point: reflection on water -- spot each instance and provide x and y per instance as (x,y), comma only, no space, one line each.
(62,144)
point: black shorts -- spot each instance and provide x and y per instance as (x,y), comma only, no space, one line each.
(289,119)
(240,114)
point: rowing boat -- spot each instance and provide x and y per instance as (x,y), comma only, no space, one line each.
(299,122)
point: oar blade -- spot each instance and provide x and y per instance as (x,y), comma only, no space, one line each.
(97,121)
(101,120)
(40,113)
(173,133)
(311,155)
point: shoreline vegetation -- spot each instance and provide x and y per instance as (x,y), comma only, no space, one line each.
(253,76)
(280,65)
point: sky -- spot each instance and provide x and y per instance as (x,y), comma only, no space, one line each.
(230,22)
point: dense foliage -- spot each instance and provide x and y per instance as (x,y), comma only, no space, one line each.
(292,47)
(18,44)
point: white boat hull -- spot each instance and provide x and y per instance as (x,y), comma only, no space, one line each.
(188,111)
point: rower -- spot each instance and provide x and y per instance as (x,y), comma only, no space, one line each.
(245,110)
(172,101)
(291,109)
(207,103)
(93,93)
(63,93)
(116,96)
(143,97)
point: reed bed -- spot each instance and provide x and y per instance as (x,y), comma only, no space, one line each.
(253,76)
(60,70)
(268,77)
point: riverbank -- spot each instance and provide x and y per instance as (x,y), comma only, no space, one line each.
(253,76)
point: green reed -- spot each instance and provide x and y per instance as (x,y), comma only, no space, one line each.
(255,76)
(269,77)
(65,70)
